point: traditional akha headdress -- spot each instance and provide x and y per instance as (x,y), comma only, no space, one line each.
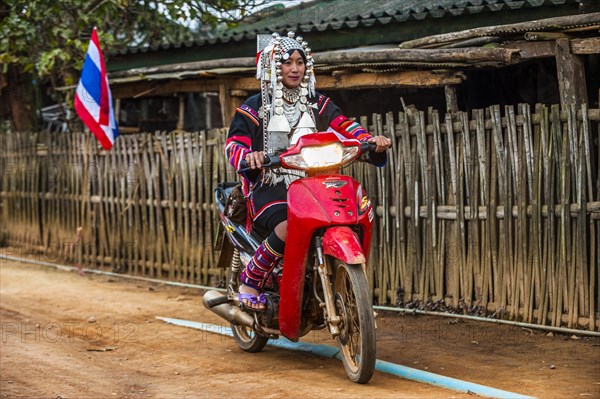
(272,51)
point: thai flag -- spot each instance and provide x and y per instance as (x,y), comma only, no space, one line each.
(93,101)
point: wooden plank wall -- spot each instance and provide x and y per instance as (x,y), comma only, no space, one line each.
(523,245)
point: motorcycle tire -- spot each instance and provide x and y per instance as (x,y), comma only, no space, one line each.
(357,341)
(245,337)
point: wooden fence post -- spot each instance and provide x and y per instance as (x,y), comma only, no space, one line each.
(571,75)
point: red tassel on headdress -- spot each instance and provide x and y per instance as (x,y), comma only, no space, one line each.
(258,56)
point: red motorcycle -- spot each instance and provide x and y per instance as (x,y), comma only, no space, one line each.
(322,282)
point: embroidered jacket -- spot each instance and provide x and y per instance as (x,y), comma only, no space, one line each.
(246,130)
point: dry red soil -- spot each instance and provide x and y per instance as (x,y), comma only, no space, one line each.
(70,336)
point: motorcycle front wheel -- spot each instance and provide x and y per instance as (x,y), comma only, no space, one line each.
(357,330)
(245,337)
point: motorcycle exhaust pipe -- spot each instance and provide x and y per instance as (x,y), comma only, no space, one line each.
(219,304)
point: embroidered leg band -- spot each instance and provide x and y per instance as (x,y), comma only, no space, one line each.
(262,263)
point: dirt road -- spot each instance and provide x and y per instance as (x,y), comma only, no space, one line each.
(71,336)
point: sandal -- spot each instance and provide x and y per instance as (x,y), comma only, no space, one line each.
(262,298)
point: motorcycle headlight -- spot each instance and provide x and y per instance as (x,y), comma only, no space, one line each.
(322,157)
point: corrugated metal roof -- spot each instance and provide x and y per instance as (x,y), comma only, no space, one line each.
(322,15)
(340,14)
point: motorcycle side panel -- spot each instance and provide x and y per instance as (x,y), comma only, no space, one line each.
(314,203)
(342,243)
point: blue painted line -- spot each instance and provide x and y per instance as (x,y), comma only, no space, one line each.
(328,351)
(445,382)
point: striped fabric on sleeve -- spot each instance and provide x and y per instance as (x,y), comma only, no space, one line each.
(249,113)
(349,128)
(236,148)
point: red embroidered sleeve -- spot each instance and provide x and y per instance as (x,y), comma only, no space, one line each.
(349,128)
(236,148)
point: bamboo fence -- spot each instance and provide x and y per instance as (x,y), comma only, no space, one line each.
(495,214)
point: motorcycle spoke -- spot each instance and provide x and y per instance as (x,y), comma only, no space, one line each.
(351,323)
(354,334)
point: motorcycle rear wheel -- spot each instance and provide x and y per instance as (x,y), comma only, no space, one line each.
(356,341)
(246,338)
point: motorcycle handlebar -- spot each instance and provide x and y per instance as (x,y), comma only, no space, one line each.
(273,160)
(365,147)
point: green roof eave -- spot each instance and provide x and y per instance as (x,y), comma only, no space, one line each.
(118,62)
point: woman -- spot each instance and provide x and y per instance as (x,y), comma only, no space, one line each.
(287,108)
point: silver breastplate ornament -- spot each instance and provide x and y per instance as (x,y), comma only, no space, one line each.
(286,113)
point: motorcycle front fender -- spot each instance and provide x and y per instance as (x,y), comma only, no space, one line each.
(342,243)
(312,205)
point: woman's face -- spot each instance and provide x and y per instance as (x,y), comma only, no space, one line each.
(292,70)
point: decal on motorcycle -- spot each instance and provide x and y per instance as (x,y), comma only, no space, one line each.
(230,228)
(371,215)
(364,205)
(334,183)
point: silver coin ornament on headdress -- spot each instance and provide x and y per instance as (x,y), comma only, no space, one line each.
(284,111)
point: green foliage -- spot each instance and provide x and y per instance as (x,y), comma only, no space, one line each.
(48,38)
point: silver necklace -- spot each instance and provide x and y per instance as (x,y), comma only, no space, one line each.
(291,95)
(292,113)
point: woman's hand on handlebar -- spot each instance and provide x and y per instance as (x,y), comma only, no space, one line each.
(255,159)
(382,143)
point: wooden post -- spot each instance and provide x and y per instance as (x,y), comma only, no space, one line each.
(225,101)
(118,110)
(571,75)
(181,114)
(451,101)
